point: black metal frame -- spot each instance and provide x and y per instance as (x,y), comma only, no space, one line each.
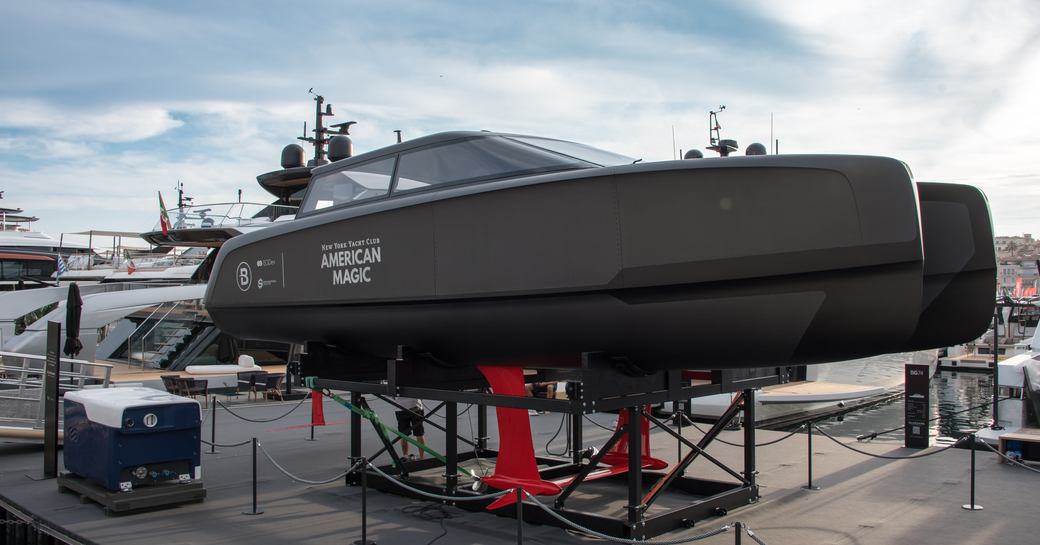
(597,385)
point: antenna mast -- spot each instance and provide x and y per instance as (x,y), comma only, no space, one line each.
(320,140)
(723,147)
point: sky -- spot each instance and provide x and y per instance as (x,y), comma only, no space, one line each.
(105,103)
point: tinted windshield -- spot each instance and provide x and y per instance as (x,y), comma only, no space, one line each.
(477,159)
(576,150)
(355,183)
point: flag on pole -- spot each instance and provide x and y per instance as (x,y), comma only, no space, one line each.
(62,268)
(130,267)
(164,218)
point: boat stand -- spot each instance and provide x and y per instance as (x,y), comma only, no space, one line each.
(598,384)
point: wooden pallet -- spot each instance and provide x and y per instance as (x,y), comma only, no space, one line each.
(139,499)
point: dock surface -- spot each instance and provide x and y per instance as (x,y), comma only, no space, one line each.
(861,501)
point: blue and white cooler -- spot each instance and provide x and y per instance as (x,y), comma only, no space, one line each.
(124,437)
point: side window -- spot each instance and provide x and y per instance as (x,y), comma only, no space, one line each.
(476,159)
(356,183)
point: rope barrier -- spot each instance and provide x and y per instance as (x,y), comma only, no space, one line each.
(1008,458)
(262,421)
(752,535)
(874,434)
(741,445)
(591,532)
(302,480)
(439,497)
(219,445)
(886,456)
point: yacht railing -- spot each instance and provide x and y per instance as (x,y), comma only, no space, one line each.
(233,214)
(21,383)
(169,308)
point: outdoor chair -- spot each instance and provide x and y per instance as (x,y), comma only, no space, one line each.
(193,387)
(273,386)
(170,383)
(250,382)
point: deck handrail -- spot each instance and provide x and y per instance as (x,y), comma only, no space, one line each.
(31,379)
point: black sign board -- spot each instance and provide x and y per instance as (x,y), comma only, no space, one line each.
(917,400)
(51,375)
(52,370)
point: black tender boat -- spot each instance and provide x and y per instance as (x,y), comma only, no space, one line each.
(486,248)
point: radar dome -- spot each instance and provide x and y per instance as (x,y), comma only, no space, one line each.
(340,147)
(292,156)
(755,149)
(693,154)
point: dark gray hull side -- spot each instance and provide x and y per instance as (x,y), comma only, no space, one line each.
(960,266)
(732,263)
(749,323)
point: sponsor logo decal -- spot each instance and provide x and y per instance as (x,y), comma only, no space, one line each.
(244,276)
(351,262)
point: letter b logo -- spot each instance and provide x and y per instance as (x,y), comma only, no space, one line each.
(245,276)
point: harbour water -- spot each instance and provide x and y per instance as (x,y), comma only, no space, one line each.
(952,393)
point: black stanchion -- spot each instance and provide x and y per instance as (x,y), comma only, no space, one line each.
(519,516)
(738,528)
(364,505)
(254,511)
(972,506)
(809,485)
(213,427)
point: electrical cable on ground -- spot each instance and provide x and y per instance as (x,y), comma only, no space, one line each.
(430,512)
(597,424)
(591,532)
(438,497)
(563,418)
(261,420)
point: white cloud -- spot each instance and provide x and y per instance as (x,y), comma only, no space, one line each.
(120,123)
(946,86)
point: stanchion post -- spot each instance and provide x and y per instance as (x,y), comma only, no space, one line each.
(213,427)
(972,506)
(364,505)
(808,428)
(738,528)
(255,511)
(519,516)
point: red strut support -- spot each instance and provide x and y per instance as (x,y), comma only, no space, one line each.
(516,466)
(618,455)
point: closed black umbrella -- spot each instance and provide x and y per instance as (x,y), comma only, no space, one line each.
(227,349)
(73,309)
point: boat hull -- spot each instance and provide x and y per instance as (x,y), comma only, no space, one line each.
(740,262)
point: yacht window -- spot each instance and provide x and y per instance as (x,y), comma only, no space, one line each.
(356,183)
(476,159)
(580,151)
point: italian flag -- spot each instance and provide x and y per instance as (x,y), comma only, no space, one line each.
(130,267)
(164,218)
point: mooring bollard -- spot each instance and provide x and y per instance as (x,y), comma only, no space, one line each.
(364,505)
(213,426)
(519,516)
(254,511)
(809,485)
(972,506)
